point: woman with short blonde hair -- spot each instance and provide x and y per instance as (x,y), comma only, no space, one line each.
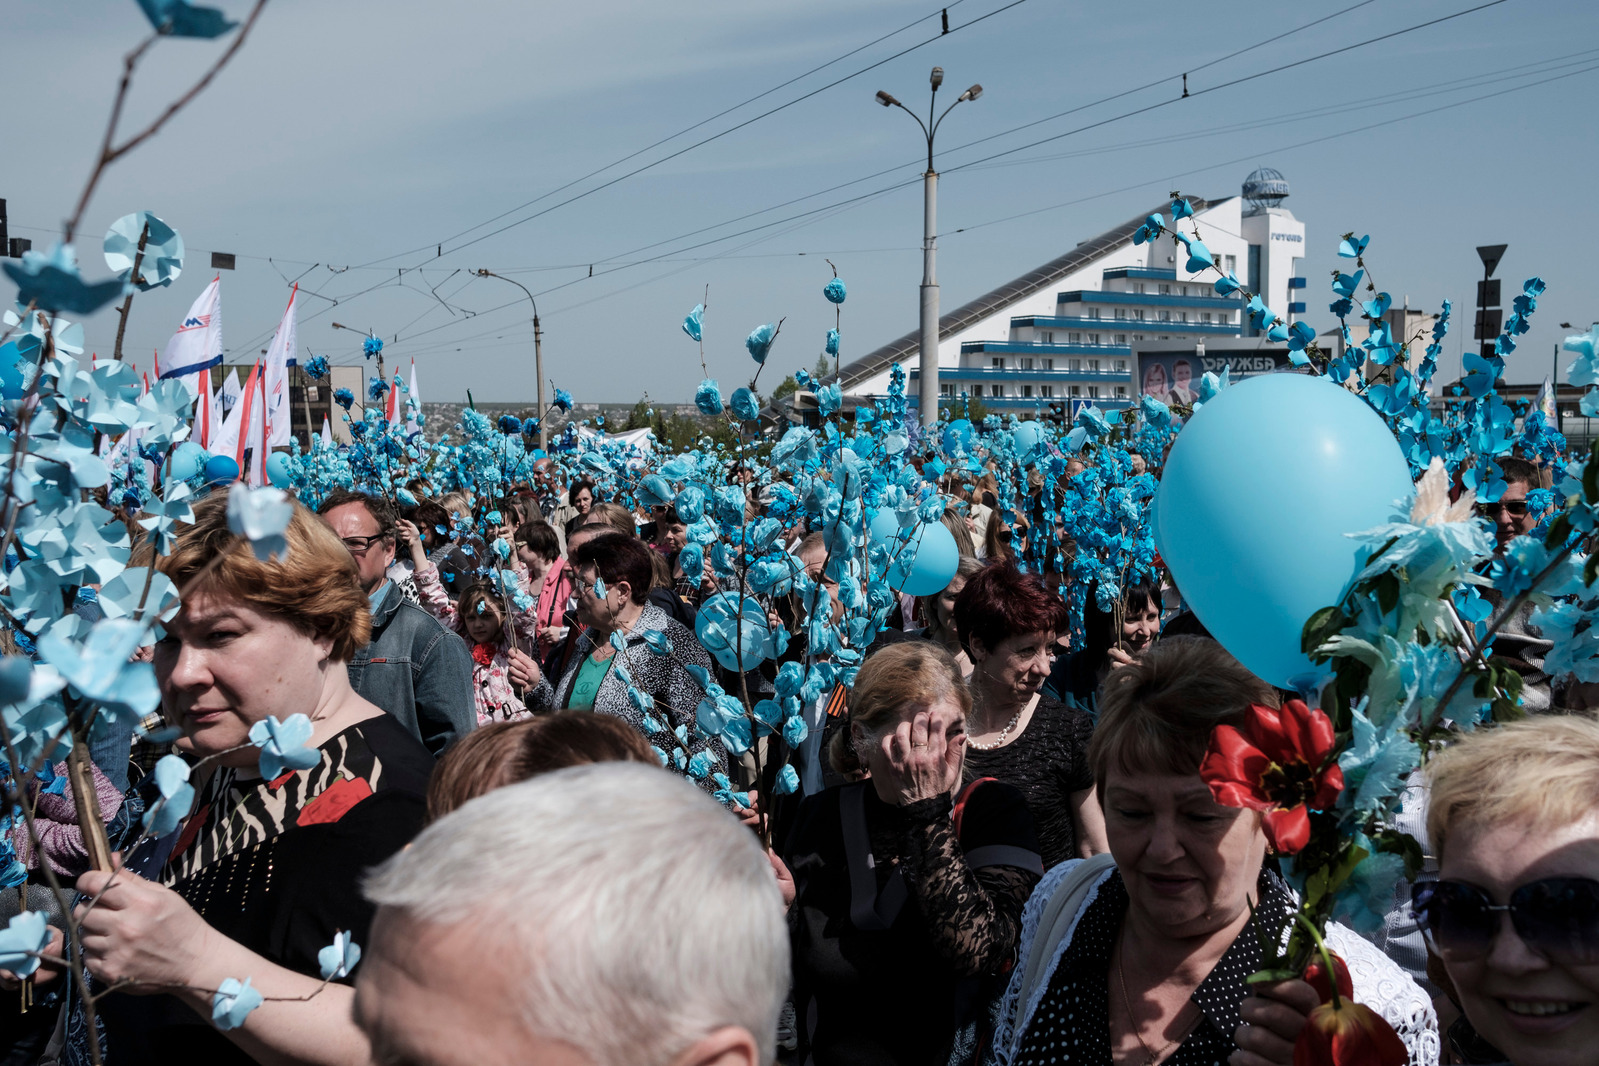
(1513,819)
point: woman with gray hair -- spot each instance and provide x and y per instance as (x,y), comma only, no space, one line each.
(908,897)
(602,915)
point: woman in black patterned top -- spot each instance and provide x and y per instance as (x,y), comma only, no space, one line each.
(263,873)
(908,902)
(1008,623)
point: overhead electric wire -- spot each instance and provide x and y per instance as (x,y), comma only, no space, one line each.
(1254,153)
(716,136)
(996,155)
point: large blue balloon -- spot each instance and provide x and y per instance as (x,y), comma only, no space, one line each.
(187,460)
(884,526)
(957,436)
(221,470)
(924,561)
(1255,501)
(277,470)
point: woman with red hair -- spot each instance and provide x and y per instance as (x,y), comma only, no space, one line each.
(1008,624)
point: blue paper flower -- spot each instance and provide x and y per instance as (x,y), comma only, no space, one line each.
(261,516)
(1346,284)
(375,388)
(177,797)
(693,324)
(21,941)
(52,283)
(759,342)
(1199,257)
(510,425)
(233,1002)
(316,367)
(829,398)
(1352,249)
(744,406)
(831,347)
(563,400)
(338,958)
(372,346)
(1228,285)
(834,291)
(284,745)
(179,18)
(344,398)
(708,398)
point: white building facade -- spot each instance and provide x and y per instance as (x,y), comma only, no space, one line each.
(1072,329)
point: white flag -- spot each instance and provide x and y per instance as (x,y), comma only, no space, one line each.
(414,407)
(231,390)
(327,431)
(197,345)
(275,380)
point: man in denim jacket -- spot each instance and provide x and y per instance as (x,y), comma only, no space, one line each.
(415,668)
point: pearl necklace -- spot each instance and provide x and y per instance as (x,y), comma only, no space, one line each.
(1003,733)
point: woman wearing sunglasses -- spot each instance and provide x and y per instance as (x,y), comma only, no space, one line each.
(1514,914)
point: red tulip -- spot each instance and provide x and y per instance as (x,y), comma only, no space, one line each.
(1316,977)
(1351,1034)
(1280,763)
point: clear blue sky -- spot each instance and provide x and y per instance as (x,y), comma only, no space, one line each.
(351,130)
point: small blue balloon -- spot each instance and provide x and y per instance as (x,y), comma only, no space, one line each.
(186,460)
(1256,556)
(926,561)
(221,470)
(277,470)
(1028,436)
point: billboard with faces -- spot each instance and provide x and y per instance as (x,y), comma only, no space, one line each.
(1173,377)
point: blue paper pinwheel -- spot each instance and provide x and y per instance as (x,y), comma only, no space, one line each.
(162,259)
(261,516)
(177,797)
(338,958)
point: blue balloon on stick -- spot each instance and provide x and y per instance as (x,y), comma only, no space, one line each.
(277,470)
(1255,503)
(221,470)
(1028,436)
(884,526)
(186,460)
(924,560)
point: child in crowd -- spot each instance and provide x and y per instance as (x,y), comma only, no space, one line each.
(479,615)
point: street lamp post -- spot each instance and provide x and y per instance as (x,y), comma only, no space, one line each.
(928,392)
(538,348)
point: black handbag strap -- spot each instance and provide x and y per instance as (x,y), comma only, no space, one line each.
(869,910)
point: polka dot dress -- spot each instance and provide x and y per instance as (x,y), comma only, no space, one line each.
(1072,1023)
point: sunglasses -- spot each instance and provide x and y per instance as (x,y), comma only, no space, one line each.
(1511,507)
(1020,533)
(1558,917)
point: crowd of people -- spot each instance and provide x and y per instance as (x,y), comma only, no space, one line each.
(999,850)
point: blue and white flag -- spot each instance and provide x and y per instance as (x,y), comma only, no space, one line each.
(197,345)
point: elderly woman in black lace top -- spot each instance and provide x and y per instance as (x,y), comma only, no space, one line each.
(1008,623)
(909,897)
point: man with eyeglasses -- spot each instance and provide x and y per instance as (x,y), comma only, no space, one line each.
(1518,641)
(1510,514)
(414,668)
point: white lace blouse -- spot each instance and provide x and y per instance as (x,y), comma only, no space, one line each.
(1072,1026)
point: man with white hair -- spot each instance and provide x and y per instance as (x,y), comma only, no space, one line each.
(603,915)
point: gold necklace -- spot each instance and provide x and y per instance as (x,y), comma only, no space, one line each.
(1150,1057)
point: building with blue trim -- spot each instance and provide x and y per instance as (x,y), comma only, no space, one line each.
(1073,329)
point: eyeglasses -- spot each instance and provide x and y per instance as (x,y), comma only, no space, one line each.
(1020,533)
(1558,917)
(1510,507)
(359,545)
